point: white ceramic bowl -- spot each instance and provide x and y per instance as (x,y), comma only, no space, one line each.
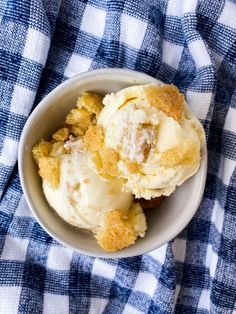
(164,223)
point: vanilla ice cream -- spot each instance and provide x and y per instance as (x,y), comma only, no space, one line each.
(157,138)
(141,142)
(87,201)
(74,188)
(82,197)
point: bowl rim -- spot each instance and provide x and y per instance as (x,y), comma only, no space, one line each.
(25,186)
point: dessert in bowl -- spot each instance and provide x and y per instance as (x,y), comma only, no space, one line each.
(120,140)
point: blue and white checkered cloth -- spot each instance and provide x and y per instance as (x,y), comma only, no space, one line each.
(186,42)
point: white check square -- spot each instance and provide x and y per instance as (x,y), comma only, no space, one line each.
(93,21)
(77,65)
(59,258)
(171,54)
(55,304)
(22,100)
(132,31)
(174,7)
(199,103)
(189,6)
(130,309)
(36,46)
(211,260)
(226,169)
(218,216)
(227,16)
(23,208)
(10,297)
(204,301)
(103,269)
(230,120)
(97,305)
(159,254)
(8,155)
(199,53)
(15,249)
(146,283)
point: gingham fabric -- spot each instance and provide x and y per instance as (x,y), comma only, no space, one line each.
(189,43)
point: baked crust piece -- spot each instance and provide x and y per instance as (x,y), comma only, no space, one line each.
(76,131)
(166,98)
(41,149)
(79,117)
(116,232)
(94,138)
(133,166)
(184,155)
(61,135)
(49,170)
(106,161)
(91,101)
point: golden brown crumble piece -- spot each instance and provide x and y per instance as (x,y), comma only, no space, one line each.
(184,155)
(133,166)
(166,98)
(79,117)
(94,138)
(49,169)
(41,149)
(109,159)
(116,233)
(98,161)
(191,153)
(76,131)
(61,135)
(91,101)
(172,157)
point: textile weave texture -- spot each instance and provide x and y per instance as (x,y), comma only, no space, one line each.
(191,44)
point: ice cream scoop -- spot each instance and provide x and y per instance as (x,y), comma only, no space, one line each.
(85,200)
(157,138)
(82,197)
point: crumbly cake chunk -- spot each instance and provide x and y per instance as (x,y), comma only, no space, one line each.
(133,166)
(61,135)
(76,131)
(49,169)
(79,117)
(41,149)
(94,138)
(166,98)
(116,232)
(106,161)
(183,155)
(91,101)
